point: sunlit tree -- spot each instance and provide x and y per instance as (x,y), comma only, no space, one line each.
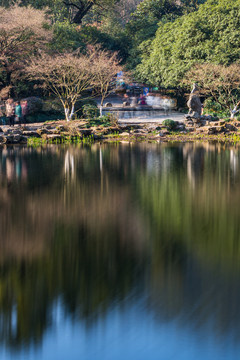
(67,76)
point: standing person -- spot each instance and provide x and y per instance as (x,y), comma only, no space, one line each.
(142,100)
(2,113)
(24,110)
(10,111)
(18,112)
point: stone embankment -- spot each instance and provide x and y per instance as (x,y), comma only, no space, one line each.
(57,131)
(209,125)
(60,131)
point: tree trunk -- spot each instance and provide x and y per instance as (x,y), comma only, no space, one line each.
(82,11)
(72,112)
(101,105)
(234,111)
(68,114)
(66,111)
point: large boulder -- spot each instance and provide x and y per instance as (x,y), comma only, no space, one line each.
(85,132)
(230,127)
(30,133)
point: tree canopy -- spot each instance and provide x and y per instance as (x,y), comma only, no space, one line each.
(209,35)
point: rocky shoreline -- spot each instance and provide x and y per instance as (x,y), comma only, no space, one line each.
(61,131)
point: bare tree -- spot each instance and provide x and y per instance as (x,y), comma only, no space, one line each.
(105,67)
(222,83)
(67,76)
(21,34)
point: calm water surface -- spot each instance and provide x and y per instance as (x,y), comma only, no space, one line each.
(120,252)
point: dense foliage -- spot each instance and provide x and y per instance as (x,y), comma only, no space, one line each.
(211,34)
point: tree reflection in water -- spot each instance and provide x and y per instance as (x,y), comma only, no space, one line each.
(94,225)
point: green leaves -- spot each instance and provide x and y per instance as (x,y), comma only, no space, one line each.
(211,34)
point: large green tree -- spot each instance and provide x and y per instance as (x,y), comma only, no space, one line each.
(209,35)
(143,24)
(145,20)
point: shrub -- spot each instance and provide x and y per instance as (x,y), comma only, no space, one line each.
(103,119)
(171,124)
(213,108)
(109,118)
(90,111)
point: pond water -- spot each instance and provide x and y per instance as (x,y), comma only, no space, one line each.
(120,251)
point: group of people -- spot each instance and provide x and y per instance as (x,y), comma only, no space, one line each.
(135,101)
(15,112)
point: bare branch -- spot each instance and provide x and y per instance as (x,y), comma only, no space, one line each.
(220,82)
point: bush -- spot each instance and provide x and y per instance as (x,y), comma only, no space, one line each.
(171,124)
(208,35)
(211,107)
(90,111)
(109,119)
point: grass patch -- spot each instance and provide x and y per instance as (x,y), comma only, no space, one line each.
(35,142)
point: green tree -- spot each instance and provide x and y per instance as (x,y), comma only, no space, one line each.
(209,35)
(143,23)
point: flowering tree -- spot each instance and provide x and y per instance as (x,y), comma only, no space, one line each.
(222,83)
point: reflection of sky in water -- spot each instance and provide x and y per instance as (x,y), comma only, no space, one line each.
(130,333)
(155,163)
